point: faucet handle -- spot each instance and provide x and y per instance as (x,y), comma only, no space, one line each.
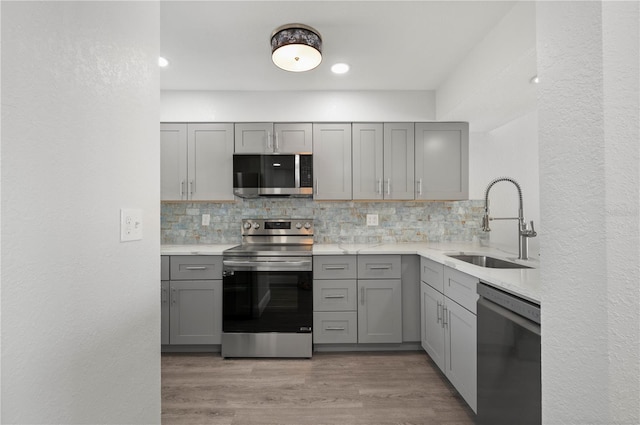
(485,223)
(529,233)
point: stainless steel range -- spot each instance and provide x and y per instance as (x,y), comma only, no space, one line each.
(268,290)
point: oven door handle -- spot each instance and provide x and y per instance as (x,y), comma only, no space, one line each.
(263,265)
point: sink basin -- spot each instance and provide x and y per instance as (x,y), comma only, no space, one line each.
(486,261)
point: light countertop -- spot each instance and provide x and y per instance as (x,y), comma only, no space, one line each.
(522,282)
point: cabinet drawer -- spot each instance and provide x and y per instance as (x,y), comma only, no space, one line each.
(164,267)
(461,288)
(379,267)
(334,267)
(335,328)
(190,267)
(432,273)
(334,295)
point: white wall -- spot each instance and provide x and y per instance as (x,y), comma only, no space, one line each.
(512,151)
(80,310)
(589,61)
(490,87)
(233,106)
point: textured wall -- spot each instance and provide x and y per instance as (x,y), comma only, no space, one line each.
(335,222)
(589,184)
(80,310)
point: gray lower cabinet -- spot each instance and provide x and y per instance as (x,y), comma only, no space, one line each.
(332,161)
(380,311)
(164,299)
(335,302)
(379,299)
(442,160)
(448,305)
(192,300)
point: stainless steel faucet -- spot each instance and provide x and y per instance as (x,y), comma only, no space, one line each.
(524,233)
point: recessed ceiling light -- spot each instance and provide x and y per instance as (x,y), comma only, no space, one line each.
(163,62)
(534,80)
(340,68)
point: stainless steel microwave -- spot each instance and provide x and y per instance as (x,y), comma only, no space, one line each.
(272,175)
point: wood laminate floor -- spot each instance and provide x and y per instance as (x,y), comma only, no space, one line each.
(376,388)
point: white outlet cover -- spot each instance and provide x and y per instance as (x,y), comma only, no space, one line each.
(130,224)
(206,219)
(372,219)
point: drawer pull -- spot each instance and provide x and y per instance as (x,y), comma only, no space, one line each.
(333,328)
(335,267)
(333,296)
(195,268)
(380,267)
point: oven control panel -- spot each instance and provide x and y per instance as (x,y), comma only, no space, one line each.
(267,227)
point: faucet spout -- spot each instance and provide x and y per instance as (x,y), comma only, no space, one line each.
(524,233)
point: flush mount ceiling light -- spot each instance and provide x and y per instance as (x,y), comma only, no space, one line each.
(296,47)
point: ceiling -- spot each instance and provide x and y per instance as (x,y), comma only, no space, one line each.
(390,45)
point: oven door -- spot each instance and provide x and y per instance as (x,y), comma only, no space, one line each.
(272,294)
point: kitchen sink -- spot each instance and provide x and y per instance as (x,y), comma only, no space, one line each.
(486,261)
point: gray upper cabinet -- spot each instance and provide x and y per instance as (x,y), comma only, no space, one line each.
(332,161)
(442,161)
(383,161)
(368,161)
(273,138)
(196,161)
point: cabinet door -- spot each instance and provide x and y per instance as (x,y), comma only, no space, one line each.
(173,162)
(398,161)
(196,312)
(253,137)
(368,161)
(442,161)
(461,347)
(380,311)
(433,339)
(332,161)
(210,165)
(293,138)
(164,312)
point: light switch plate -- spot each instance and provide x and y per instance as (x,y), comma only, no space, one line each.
(130,224)
(372,219)
(206,219)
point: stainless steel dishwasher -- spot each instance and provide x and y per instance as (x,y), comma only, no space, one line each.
(509,383)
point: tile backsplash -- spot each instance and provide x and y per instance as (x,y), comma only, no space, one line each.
(335,222)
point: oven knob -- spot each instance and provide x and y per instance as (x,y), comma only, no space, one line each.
(247,225)
(256,225)
(298,226)
(307,225)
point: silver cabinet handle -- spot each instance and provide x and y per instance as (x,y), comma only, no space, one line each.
(362,295)
(191,187)
(335,267)
(333,296)
(388,186)
(277,145)
(420,187)
(379,187)
(164,296)
(445,312)
(269,138)
(439,312)
(181,188)
(195,268)
(173,296)
(317,191)
(333,328)
(379,267)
